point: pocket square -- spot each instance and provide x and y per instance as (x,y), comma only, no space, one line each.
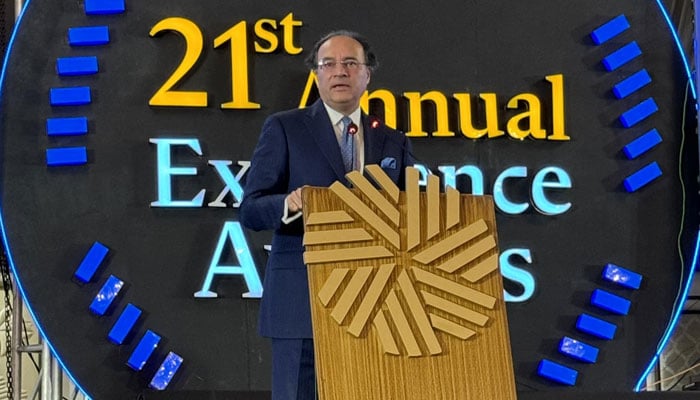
(389,162)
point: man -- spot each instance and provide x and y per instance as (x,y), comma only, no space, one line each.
(303,147)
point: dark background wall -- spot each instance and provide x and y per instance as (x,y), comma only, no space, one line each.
(7,17)
(162,254)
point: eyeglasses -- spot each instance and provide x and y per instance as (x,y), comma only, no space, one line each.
(330,65)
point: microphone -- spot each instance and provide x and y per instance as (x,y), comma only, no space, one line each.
(374,122)
(352,128)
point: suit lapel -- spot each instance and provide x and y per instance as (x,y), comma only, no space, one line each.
(374,141)
(321,130)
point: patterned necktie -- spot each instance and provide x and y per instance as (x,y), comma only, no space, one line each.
(346,144)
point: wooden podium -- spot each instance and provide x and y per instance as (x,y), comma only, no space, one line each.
(406,294)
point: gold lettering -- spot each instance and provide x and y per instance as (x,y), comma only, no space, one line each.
(310,83)
(415,103)
(532,114)
(525,124)
(266,35)
(194,43)
(466,124)
(239,67)
(288,23)
(558,130)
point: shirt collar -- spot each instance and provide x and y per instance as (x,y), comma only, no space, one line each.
(335,116)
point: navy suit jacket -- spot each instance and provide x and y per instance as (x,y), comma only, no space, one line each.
(297,148)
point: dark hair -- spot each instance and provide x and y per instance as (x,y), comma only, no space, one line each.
(370,59)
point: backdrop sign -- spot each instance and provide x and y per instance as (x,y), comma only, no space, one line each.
(127,130)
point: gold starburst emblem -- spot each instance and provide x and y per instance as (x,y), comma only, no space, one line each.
(409,265)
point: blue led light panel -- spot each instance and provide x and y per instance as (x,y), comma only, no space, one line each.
(106,295)
(166,371)
(642,177)
(124,324)
(66,126)
(595,326)
(610,29)
(631,84)
(70,96)
(639,113)
(622,56)
(578,350)
(73,66)
(621,276)
(88,36)
(91,261)
(642,144)
(143,351)
(610,302)
(557,372)
(63,156)
(104,7)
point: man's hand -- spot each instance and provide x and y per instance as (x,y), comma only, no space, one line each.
(294,201)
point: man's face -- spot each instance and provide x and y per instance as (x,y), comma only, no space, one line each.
(341,86)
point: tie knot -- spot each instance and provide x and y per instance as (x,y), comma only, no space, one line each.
(346,122)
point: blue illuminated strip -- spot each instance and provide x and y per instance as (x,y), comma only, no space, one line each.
(621,276)
(610,29)
(638,113)
(142,352)
(674,318)
(106,295)
(642,177)
(578,350)
(102,7)
(610,302)
(88,36)
(679,46)
(166,371)
(91,262)
(622,56)
(557,372)
(19,283)
(63,156)
(73,66)
(642,144)
(124,324)
(66,126)
(70,96)
(678,306)
(632,84)
(595,326)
